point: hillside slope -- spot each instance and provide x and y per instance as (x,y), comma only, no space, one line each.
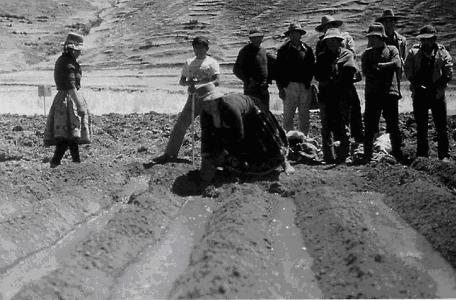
(139,33)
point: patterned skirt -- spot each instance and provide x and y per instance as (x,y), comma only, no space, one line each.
(264,148)
(68,119)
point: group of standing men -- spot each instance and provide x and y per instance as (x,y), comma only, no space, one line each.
(427,65)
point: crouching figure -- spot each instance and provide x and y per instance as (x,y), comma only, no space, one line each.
(238,136)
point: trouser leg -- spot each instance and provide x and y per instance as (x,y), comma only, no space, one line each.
(290,103)
(420,111)
(74,150)
(356,120)
(59,151)
(183,122)
(372,114)
(304,101)
(326,140)
(341,131)
(439,114)
(391,114)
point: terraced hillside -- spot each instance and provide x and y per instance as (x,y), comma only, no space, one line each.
(139,33)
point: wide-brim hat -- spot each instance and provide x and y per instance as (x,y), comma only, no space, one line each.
(333,33)
(255,32)
(387,14)
(427,32)
(295,27)
(74,41)
(327,20)
(376,29)
(207,92)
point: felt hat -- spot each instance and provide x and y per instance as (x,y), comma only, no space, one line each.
(333,33)
(328,20)
(376,29)
(255,32)
(295,27)
(387,14)
(427,32)
(207,92)
(74,41)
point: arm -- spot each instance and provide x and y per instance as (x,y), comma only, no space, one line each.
(73,91)
(262,61)
(403,50)
(238,68)
(395,60)
(232,117)
(350,43)
(369,69)
(280,80)
(447,70)
(346,76)
(409,66)
(311,66)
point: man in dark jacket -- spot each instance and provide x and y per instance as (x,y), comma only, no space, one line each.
(429,68)
(380,63)
(393,38)
(356,120)
(334,71)
(295,67)
(251,67)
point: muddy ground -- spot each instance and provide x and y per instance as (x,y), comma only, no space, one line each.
(110,228)
(79,231)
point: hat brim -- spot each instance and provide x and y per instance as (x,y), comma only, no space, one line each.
(426,36)
(301,31)
(75,47)
(322,27)
(256,35)
(339,37)
(382,18)
(376,34)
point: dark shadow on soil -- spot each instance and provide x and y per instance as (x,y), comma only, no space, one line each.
(190,183)
(158,162)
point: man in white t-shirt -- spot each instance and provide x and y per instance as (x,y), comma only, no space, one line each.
(197,70)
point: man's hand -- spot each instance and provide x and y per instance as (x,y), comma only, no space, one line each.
(191,82)
(191,89)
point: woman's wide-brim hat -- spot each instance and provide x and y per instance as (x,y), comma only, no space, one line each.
(207,92)
(74,41)
(427,32)
(333,33)
(295,27)
(387,14)
(328,20)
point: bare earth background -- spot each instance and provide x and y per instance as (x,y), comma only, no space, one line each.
(110,229)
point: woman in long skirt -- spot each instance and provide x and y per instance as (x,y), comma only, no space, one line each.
(68,122)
